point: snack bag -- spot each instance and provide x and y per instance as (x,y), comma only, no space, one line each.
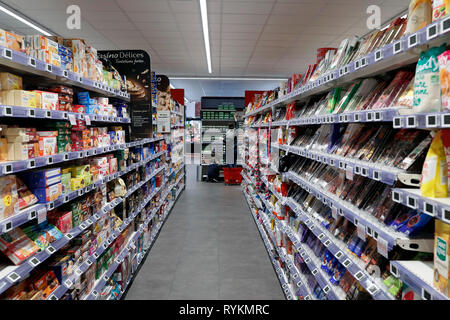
(441,257)
(446,142)
(419,15)
(444,77)
(434,173)
(440,9)
(427,87)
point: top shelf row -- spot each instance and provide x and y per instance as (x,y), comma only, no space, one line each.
(392,56)
(28,65)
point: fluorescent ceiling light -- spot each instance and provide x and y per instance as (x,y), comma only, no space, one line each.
(204,13)
(233,79)
(12,14)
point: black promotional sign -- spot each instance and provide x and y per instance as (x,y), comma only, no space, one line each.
(136,67)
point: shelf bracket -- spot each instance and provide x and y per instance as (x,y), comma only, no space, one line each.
(423,245)
(410,179)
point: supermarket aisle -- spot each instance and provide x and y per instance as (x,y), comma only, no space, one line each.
(209,248)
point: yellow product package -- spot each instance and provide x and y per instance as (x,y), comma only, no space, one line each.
(441,257)
(419,16)
(440,9)
(434,173)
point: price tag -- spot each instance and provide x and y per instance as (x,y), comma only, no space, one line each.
(382,247)
(334,213)
(42,215)
(72,119)
(361,231)
(87,118)
(349,172)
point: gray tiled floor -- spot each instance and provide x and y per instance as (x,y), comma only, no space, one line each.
(209,248)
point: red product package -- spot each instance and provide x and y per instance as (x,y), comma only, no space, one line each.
(78,108)
(62,89)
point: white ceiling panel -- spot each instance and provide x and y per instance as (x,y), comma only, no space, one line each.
(247,7)
(140,5)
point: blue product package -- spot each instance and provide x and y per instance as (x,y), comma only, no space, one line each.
(47,194)
(415,223)
(84,95)
(401,219)
(353,242)
(40,178)
(359,248)
(338,273)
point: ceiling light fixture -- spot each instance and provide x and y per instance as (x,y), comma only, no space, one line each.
(228,79)
(204,13)
(29,23)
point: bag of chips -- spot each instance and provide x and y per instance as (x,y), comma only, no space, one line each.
(427,87)
(419,15)
(434,173)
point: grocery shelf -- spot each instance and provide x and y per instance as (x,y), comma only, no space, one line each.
(12,274)
(376,115)
(11,167)
(34,113)
(340,251)
(25,64)
(68,283)
(392,56)
(373,227)
(385,174)
(279,271)
(419,276)
(40,209)
(412,198)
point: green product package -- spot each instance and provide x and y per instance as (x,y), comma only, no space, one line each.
(334,100)
(65,182)
(346,99)
(427,85)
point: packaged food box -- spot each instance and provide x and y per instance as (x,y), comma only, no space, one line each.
(62,267)
(47,146)
(13,41)
(48,100)
(33,183)
(80,170)
(65,182)
(43,55)
(17,246)
(9,81)
(17,151)
(2,38)
(42,174)
(62,220)
(20,98)
(62,89)
(48,194)
(78,183)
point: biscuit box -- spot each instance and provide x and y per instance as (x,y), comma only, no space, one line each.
(41,183)
(10,81)
(48,194)
(9,202)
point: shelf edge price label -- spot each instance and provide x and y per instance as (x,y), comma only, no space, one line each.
(382,247)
